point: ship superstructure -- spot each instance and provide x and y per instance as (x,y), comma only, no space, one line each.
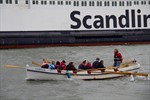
(34,22)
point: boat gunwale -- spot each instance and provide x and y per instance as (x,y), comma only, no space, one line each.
(79,74)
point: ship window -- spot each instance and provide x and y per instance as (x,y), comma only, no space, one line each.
(84,3)
(129,3)
(1,1)
(106,3)
(149,2)
(114,3)
(143,2)
(8,1)
(52,2)
(76,3)
(136,2)
(99,3)
(37,2)
(45,2)
(68,2)
(33,1)
(60,2)
(42,2)
(26,2)
(91,3)
(121,3)
(16,1)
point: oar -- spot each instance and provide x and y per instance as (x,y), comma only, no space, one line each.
(12,66)
(126,73)
(37,64)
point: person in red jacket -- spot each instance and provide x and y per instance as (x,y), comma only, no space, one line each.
(63,64)
(117,58)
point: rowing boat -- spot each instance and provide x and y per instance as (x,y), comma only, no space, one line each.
(37,73)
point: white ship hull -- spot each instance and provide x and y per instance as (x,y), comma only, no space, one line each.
(35,22)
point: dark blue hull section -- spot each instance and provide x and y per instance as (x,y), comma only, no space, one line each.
(73,37)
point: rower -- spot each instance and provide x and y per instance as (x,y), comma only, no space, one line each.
(45,64)
(52,65)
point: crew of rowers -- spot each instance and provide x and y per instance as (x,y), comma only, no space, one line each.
(84,65)
(62,65)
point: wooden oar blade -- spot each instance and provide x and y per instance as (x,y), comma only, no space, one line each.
(141,74)
(37,64)
(128,73)
(12,66)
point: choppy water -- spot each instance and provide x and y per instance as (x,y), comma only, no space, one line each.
(13,85)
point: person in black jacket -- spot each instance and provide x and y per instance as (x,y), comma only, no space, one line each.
(70,66)
(95,63)
(101,64)
(82,65)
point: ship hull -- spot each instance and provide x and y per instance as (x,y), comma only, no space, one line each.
(72,38)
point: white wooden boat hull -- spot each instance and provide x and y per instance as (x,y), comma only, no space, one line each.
(36,73)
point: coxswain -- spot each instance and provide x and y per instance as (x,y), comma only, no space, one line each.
(117,59)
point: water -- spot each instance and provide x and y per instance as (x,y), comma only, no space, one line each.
(13,85)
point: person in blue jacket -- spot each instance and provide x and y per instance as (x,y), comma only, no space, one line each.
(52,65)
